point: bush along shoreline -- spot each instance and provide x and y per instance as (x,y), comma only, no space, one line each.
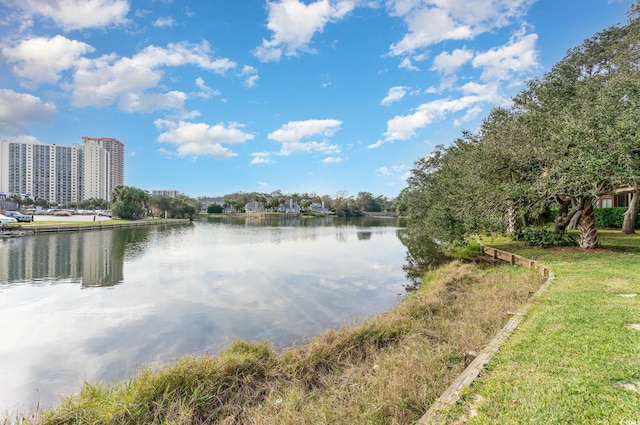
(387,369)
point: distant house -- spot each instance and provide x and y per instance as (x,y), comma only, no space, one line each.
(318,208)
(620,198)
(206,201)
(167,193)
(290,207)
(254,207)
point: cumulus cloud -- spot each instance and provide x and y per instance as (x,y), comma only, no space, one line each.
(205,91)
(24,139)
(406,63)
(164,22)
(294,23)
(395,94)
(332,160)
(403,127)
(101,81)
(384,171)
(17,109)
(250,75)
(447,63)
(433,21)
(261,158)
(42,59)
(75,14)
(148,102)
(395,169)
(501,63)
(292,134)
(196,139)
(395,174)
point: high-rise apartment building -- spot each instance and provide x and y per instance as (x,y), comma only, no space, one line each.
(62,173)
(116,152)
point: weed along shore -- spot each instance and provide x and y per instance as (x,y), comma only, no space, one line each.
(388,368)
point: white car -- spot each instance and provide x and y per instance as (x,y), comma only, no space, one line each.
(6,220)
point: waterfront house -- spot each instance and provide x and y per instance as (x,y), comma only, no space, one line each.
(254,207)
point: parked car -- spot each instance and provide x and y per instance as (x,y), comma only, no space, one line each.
(6,220)
(63,213)
(19,216)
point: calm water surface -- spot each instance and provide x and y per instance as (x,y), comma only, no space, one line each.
(97,305)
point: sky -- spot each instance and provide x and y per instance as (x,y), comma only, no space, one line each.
(212,97)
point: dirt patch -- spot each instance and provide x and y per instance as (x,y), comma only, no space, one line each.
(634,326)
(627,295)
(631,386)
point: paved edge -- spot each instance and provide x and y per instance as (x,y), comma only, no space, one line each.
(53,228)
(466,378)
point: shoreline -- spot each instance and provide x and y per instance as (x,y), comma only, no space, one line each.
(21,230)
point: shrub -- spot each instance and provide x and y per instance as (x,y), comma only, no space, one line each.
(542,238)
(612,217)
(214,209)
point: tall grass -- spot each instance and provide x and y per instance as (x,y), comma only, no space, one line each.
(387,369)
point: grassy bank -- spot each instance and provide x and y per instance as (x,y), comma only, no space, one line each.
(388,369)
(575,359)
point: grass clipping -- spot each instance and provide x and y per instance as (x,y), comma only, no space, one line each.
(388,369)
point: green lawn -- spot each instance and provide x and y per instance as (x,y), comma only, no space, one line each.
(575,358)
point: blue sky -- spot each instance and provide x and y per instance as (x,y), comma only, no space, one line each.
(216,96)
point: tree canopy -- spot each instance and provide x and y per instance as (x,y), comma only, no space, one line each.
(568,138)
(129,202)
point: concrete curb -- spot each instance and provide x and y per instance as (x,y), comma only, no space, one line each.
(466,378)
(52,228)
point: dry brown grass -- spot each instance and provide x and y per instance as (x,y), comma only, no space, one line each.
(385,370)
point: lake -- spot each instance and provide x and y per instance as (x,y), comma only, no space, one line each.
(97,305)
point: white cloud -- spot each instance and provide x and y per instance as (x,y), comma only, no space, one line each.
(141,13)
(164,22)
(403,127)
(261,158)
(489,92)
(429,26)
(75,14)
(332,160)
(251,76)
(395,169)
(101,81)
(143,102)
(384,171)
(407,64)
(471,114)
(432,21)
(447,63)
(291,136)
(294,23)
(400,168)
(42,59)
(24,139)
(500,63)
(16,109)
(195,139)
(205,91)
(395,94)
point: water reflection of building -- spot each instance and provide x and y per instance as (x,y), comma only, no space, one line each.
(88,258)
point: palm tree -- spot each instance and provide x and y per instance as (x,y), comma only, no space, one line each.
(14,197)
